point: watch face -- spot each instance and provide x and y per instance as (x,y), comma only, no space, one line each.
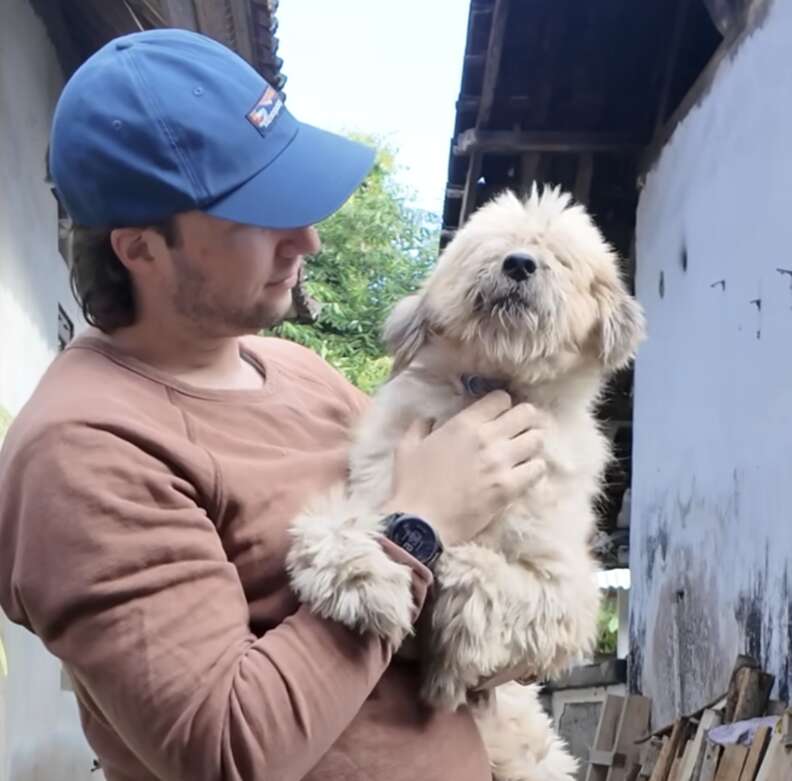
(416,537)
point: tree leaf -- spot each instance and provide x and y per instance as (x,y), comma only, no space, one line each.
(375,250)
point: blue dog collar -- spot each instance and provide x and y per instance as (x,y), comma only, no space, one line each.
(478,386)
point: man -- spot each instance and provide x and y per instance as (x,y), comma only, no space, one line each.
(148,485)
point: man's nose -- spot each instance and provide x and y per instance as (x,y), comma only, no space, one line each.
(306,240)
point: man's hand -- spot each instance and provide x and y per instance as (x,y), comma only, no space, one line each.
(459,476)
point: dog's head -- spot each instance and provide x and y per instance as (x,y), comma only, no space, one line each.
(525,281)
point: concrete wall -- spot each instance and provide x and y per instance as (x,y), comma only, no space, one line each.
(711,546)
(40,735)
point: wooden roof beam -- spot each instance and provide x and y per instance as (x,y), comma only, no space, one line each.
(239,16)
(224,20)
(472,102)
(470,193)
(508,142)
(585,173)
(680,17)
(493,61)
(148,11)
(752,16)
(180,13)
(530,170)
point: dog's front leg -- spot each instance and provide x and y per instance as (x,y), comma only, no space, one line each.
(489,615)
(339,569)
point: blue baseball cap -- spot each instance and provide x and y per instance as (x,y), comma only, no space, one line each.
(167,121)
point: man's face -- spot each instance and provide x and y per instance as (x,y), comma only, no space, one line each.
(230,279)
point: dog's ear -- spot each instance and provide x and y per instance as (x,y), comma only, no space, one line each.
(406,330)
(622,324)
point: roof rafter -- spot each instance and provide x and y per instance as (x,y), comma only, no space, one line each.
(519,141)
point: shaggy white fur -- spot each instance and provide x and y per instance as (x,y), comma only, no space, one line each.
(521,596)
(338,567)
(520,739)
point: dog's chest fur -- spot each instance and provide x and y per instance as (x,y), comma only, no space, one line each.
(576,453)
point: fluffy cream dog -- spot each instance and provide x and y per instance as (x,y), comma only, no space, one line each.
(527,297)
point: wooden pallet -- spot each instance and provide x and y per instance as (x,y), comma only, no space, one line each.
(625,750)
(615,753)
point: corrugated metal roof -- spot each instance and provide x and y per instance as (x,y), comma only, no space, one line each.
(613,578)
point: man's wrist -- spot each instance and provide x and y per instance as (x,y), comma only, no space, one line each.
(415,535)
(434,518)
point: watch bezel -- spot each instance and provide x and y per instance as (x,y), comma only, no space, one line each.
(396,522)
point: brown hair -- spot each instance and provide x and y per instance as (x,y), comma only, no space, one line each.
(100,282)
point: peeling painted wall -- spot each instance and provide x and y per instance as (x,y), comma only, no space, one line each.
(40,734)
(711,538)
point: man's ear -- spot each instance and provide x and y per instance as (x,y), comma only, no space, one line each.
(622,323)
(406,330)
(132,245)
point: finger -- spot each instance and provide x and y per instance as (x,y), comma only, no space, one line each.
(488,407)
(513,422)
(527,475)
(519,673)
(526,446)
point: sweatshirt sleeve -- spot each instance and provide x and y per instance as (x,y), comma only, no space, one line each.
(122,574)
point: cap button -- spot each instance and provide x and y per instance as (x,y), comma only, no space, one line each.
(121,45)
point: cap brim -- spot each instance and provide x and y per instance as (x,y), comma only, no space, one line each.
(312,178)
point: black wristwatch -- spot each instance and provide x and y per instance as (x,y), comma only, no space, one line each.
(415,536)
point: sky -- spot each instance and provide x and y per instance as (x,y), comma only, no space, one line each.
(376,66)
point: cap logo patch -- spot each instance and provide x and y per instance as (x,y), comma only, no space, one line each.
(266,109)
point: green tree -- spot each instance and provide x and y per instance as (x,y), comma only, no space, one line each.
(607,625)
(375,250)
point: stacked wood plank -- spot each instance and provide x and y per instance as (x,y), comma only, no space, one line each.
(683,751)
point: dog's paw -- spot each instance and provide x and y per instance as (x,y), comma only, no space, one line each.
(338,568)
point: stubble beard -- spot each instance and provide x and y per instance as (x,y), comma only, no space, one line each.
(193,301)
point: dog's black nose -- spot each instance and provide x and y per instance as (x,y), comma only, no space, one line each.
(519,266)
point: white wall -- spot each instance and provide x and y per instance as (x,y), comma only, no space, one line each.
(40,736)
(711,547)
